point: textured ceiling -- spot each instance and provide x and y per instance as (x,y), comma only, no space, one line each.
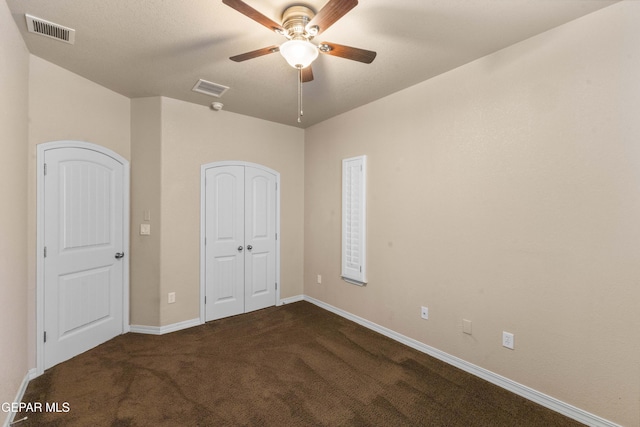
(147,48)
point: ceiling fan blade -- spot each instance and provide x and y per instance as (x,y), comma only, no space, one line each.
(307,74)
(330,13)
(348,52)
(247,10)
(255,53)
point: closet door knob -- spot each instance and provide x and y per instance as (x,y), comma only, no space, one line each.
(249,247)
(240,248)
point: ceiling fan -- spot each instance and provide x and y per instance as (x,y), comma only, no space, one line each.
(300,25)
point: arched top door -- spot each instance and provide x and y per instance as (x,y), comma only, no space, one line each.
(240,245)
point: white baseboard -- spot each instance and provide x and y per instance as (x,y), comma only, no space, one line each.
(161,330)
(31,374)
(517,388)
(289,300)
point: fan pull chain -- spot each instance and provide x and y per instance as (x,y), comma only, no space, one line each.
(300,112)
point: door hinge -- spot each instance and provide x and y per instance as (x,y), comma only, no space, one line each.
(45,169)
(276,285)
(276,236)
(360,269)
(45,336)
(205,299)
(45,251)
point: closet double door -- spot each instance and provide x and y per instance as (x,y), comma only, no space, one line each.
(240,240)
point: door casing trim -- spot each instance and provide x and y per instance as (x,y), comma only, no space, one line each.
(203,173)
(40,152)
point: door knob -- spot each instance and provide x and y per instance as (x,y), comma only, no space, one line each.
(119,255)
(249,247)
(240,248)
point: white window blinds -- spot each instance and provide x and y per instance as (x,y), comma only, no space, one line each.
(354,220)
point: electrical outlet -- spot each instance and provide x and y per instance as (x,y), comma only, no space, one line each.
(172,297)
(319,278)
(507,340)
(466,326)
(424,312)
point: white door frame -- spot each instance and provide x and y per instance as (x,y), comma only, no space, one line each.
(41,148)
(203,176)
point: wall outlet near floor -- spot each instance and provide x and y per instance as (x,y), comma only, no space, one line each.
(172,297)
(466,326)
(319,278)
(424,312)
(507,340)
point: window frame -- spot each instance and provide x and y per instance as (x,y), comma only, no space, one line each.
(354,226)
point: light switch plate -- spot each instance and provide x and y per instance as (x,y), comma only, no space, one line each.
(145,229)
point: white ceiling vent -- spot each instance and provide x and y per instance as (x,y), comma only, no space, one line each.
(49,29)
(209,88)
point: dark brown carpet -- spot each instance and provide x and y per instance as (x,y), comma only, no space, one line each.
(294,365)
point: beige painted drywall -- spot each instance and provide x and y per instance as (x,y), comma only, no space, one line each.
(14,71)
(145,196)
(506,192)
(191,136)
(65,106)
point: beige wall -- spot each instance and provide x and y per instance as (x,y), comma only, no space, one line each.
(14,72)
(193,135)
(505,192)
(146,131)
(65,106)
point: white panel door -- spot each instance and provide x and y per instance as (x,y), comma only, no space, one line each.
(225,241)
(260,232)
(240,236)
(83,238)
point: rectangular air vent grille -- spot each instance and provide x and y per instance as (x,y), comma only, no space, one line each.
(209,88)
(49,29)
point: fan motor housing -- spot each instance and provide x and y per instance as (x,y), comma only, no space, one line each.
(295,20)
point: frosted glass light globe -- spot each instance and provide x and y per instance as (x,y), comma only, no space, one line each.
(299,53)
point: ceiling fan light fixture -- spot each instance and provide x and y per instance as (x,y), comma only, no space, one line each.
(299,53)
